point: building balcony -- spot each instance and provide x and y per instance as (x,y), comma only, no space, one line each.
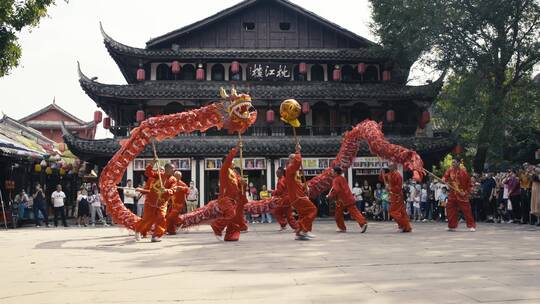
(397,129)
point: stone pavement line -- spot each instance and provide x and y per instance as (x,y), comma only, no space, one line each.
(103,265)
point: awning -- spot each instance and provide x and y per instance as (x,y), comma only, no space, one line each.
(10,147)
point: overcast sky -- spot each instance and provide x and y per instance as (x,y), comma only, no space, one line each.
(71,33)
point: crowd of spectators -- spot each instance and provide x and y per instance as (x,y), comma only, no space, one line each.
(512,196)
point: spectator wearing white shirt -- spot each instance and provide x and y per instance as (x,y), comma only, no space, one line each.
(95,208)
(141,197)
(192,197)
(424,203)
(436,188)
(357,193)
(129,196)
(410,197)
(416,202)
(58,197)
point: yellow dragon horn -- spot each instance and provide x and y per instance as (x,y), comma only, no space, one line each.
(223,93)
(233,93)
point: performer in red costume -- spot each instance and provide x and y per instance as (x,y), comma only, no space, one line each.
(178,203)
(394,185)
(283,213)
(229,191)
(460,187)
(342,194)
(238,223)
(298,196)
(155,204)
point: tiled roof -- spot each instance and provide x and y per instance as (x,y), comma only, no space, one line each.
(312,54)
(218,146)
(260,90)
(53,106)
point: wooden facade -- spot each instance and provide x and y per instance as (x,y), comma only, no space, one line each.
(266,24)
(270,34)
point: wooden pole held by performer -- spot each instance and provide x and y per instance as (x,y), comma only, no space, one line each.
(158,169)
(297,141)
(241,146)
(440,179)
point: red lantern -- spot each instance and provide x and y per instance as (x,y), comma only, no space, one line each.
(235,67)
(270,116)
(361,68)
(390,116)
(141,75)
(199,74)
(175,67)
(98,117)
(426,117)
(302,68)
(10,184)
(386,76)
(336,75)
(305,107)
(457,149)
(140,115)
(421,124)
(106,122)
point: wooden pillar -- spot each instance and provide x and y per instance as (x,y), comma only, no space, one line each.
(201,183)
(268,174)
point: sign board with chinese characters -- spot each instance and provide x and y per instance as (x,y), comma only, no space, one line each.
(269,71)
(140,164)
(249,163)
(369,165)
(311,163)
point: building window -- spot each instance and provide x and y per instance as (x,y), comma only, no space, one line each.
(218,72)
(188,72)
(284,26)
(297,75)
(372,74)
(248,26)
(237,76)
(163,72)
(317,73)
(347,73)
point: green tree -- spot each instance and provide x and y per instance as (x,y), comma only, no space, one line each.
(15,15)
(497,40)
(464,100)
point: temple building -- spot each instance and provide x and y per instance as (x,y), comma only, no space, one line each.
(273,50)
(49,122)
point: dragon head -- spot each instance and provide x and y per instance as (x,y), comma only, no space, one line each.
(238,112)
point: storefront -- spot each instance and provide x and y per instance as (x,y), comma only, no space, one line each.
(368,169)
(135,171)
(257,171)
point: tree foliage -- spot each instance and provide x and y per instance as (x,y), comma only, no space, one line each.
(496,40)
(461,107)
(15,15)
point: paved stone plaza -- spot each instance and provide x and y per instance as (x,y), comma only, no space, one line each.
(497,264)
